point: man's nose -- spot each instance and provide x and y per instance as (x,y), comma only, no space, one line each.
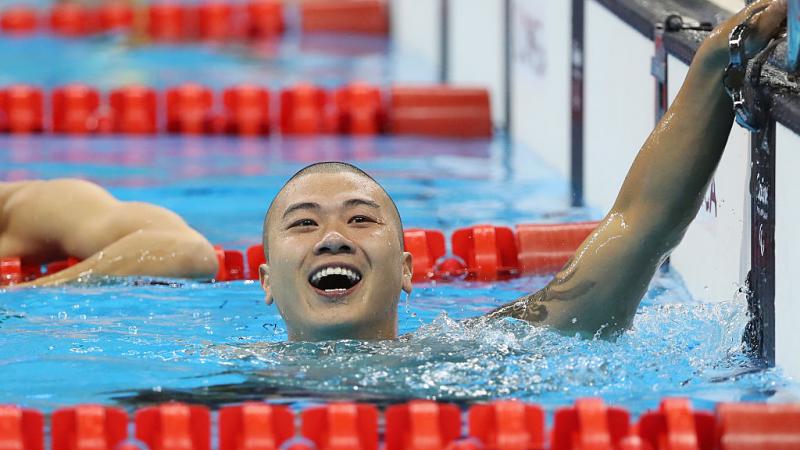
(333,243)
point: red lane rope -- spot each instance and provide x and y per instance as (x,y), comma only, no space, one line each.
(415,425)
(208,21)
(480,252)
(158,22)
(246,110)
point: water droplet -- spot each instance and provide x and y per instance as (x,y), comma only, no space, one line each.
(62,315)
(574,320)
(133,330)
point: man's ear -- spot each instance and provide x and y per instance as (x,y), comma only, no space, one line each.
(263,278)
(408,272)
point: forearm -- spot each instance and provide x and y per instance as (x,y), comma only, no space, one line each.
(669,176)
(180,254)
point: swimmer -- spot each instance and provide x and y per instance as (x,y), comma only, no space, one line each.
(334,242)
(38,223)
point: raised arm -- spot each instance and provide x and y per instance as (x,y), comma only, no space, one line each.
(602,285)
(48,220)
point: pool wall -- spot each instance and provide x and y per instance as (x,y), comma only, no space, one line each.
(581,96)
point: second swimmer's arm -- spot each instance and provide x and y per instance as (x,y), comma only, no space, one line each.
(602,285)
(163,253)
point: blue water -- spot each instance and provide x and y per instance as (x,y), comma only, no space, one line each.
(131,342)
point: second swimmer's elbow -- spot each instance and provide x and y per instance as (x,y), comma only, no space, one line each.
(197,259)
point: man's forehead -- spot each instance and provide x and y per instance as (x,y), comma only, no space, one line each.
(329,186)
(331,183)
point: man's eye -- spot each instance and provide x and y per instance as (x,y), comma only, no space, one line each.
(303,223)
(360,219)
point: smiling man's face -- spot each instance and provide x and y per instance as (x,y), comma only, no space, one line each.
(336,262)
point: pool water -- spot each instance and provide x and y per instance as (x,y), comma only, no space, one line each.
(132,342)
(135,341)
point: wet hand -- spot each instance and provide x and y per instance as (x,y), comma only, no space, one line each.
(766,20)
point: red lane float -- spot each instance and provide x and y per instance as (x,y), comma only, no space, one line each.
(174,426)
(489,252)
(189,109)
(440,111)
(545,248)
(264,19)
(255,257)
(168,22)
(303,110)
(675,426)
(246,110)
(88,427)
(589,424)
(21,429)
(72,20)
(215,21)
(345,16)
(754,426)
(13,271)
(508,424)
(22,107)
(426,247)
(422,425)
(19,20)
(341,426)
(416,425)
(255,426)
(359,109)
(115,16)
(231,265)
(10,271)
(58,266)
(133,110)
(75,109)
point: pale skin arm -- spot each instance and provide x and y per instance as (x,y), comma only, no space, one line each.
(602,285)
(54,219)
(163,253)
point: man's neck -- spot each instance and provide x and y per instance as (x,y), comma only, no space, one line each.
(379,332)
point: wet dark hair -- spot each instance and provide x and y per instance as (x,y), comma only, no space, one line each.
(330,167)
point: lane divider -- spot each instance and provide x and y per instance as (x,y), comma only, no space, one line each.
(479,253)
(165,21)
(158,21)
(462,112)
(245,110)
(351,16)
(415,425)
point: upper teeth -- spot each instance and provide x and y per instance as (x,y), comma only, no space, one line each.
(335,271)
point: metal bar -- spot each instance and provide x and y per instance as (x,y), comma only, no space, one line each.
(576,101)
(760,331)
(508,69)
(660,71)
(793,23)
(444,41)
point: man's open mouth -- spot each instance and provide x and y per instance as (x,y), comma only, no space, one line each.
(335,281)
